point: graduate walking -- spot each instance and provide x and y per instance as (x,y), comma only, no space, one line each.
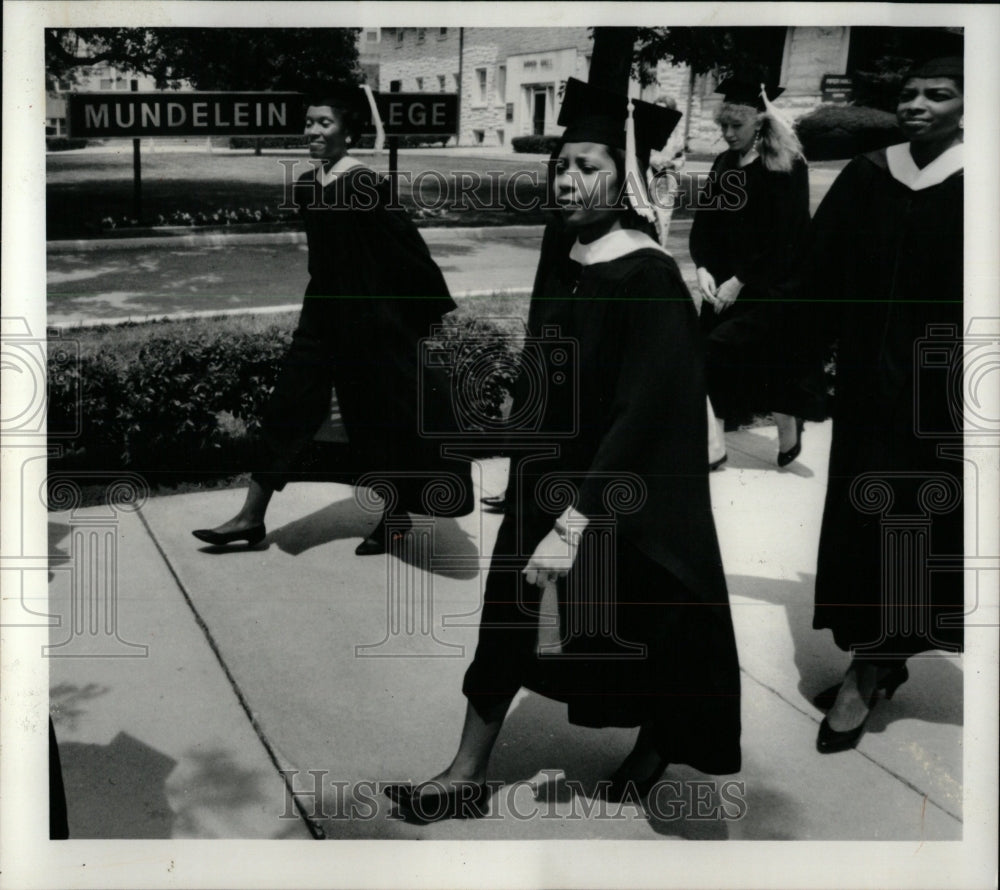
(374,292)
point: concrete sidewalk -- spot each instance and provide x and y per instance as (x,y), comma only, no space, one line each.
(298,655)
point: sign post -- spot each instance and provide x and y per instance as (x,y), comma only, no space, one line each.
(136,172)
(393,157)
(135,114)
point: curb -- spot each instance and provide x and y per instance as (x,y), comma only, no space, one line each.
(432,235)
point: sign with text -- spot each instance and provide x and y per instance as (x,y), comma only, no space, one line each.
(418,114)
(837,88)
(184,114)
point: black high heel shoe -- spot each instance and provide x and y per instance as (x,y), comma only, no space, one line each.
(379,540)
(830,740)
(253,535)
(465,800)
(786,457)
(715,464)
(889,684)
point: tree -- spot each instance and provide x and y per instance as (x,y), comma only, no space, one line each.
(751,51)
(212,58)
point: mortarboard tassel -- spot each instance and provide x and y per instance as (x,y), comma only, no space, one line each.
(635,182)
(773,112)
(376,118)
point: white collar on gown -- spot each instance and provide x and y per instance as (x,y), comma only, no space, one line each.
(904,169)
(612,246)
(325,177)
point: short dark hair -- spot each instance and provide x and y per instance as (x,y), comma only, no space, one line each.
(348,109)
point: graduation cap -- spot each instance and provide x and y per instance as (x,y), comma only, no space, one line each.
(737,90)
(945,66)
(593,114)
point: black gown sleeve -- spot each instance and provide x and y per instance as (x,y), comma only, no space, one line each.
(701,241)
(820,281)
(780,224)
(656,429)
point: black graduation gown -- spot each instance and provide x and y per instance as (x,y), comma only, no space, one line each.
(889,261)
(751,228)
(374,292)
(631,454)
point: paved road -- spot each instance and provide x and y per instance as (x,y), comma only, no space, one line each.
(123,281)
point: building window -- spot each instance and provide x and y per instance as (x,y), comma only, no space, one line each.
(458,83)
(371,35)
(420,84)
(395,86)
(441,86)
(400,33)
(421,35)
(500,137)
(442,33)
(501,84)
(479,136)
(107,83)
(481,85)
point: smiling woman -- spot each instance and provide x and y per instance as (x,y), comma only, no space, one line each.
(884,271)
(373,293)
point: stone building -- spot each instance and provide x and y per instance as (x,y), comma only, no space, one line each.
(510,79)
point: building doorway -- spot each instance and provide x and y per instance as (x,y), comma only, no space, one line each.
(538,103)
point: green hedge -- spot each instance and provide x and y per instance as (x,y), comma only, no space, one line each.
(836,132)
(63,143)
(297,141)
(181,400)
(537,145)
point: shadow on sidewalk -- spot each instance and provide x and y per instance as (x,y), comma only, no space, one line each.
(934,692)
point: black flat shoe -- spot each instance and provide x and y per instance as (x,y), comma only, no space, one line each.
(377,543)
(624,788)
(253,535)
(889,684)
(715,464)
(786,457)
(495,503)
(465,800)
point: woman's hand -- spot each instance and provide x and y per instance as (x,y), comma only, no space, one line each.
(728,291)
(706,284)
(552,559)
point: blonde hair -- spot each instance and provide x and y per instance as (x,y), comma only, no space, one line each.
(777,144)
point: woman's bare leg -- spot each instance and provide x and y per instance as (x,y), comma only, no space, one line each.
(252,512)
(788,432)
(479,734)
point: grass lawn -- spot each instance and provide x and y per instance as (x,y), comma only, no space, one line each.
(82,188)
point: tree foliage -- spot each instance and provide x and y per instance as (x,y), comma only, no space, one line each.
(211,58)
(749,51)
